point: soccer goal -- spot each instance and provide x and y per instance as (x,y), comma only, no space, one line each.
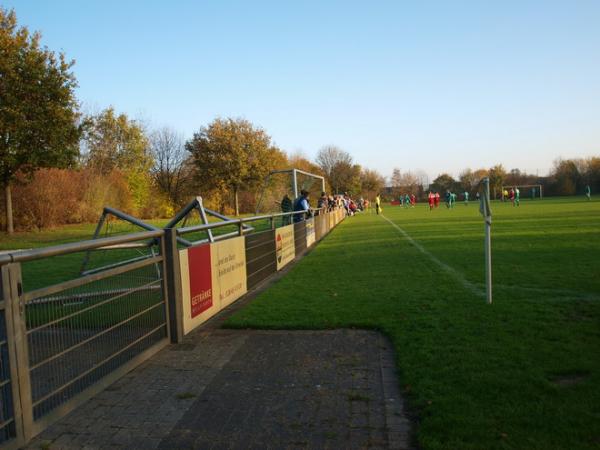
(290,182)
(529,191)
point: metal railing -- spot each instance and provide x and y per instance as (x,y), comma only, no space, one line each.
(64,339)
(73,337)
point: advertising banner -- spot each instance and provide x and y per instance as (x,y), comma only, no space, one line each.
(285,249)
(212,277)
(229,269)
(320,226)
(310,232)
(199,270)
(199,299)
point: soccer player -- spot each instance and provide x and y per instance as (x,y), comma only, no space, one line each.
(437,199)
(588,192)
(413,200)
(431,200)
(511,196)
(406,200)
(378,204)
(466,198)
(517,196)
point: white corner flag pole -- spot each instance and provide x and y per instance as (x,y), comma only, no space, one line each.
(486,212)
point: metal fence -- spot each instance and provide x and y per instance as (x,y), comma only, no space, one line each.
(73,338)
(65,339)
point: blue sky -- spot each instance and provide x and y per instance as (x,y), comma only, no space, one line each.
(430,85)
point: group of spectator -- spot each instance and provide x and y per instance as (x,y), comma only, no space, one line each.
(325,203)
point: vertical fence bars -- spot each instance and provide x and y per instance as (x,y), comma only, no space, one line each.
(62,344)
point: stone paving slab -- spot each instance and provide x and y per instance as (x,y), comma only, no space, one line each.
(248,389)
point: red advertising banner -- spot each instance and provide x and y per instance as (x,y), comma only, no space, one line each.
(201,288)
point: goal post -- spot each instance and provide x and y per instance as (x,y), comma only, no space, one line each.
(287,182)
(530,191)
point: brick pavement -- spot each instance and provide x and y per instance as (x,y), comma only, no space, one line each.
(248,389)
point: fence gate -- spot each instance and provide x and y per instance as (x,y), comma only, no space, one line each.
(62,344)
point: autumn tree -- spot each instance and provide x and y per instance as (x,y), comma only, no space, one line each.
(347,177)
(113,141)
(232,154)
(479,175)
(443,183)
(372,182)
(496,174)
(396,181)
(591,173)
(566,177)
(409,182)
(171,171)
(298,160)
(38,110)
(468,180)
(338,168)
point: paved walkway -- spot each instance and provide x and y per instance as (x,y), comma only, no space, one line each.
(248,389)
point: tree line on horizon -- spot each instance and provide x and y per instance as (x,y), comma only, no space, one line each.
(567,177)
(59,165)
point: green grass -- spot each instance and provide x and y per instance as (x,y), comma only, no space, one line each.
(521,373)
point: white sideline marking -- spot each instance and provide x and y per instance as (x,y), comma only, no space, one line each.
(445,267)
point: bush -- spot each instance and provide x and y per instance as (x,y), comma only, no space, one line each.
(53,197)
(50,198)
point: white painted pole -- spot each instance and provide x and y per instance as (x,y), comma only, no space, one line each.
(487,214)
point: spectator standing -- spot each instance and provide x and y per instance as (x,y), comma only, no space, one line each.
(301,204)
(286,206)
(322,202)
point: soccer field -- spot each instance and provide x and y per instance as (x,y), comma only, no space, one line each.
(523,372)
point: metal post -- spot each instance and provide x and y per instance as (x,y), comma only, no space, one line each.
(488,259)
(295,181)
(13,290)
(13,348)
(241,227)
(487,214)
(202,212)
(173,279)
(86,258)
